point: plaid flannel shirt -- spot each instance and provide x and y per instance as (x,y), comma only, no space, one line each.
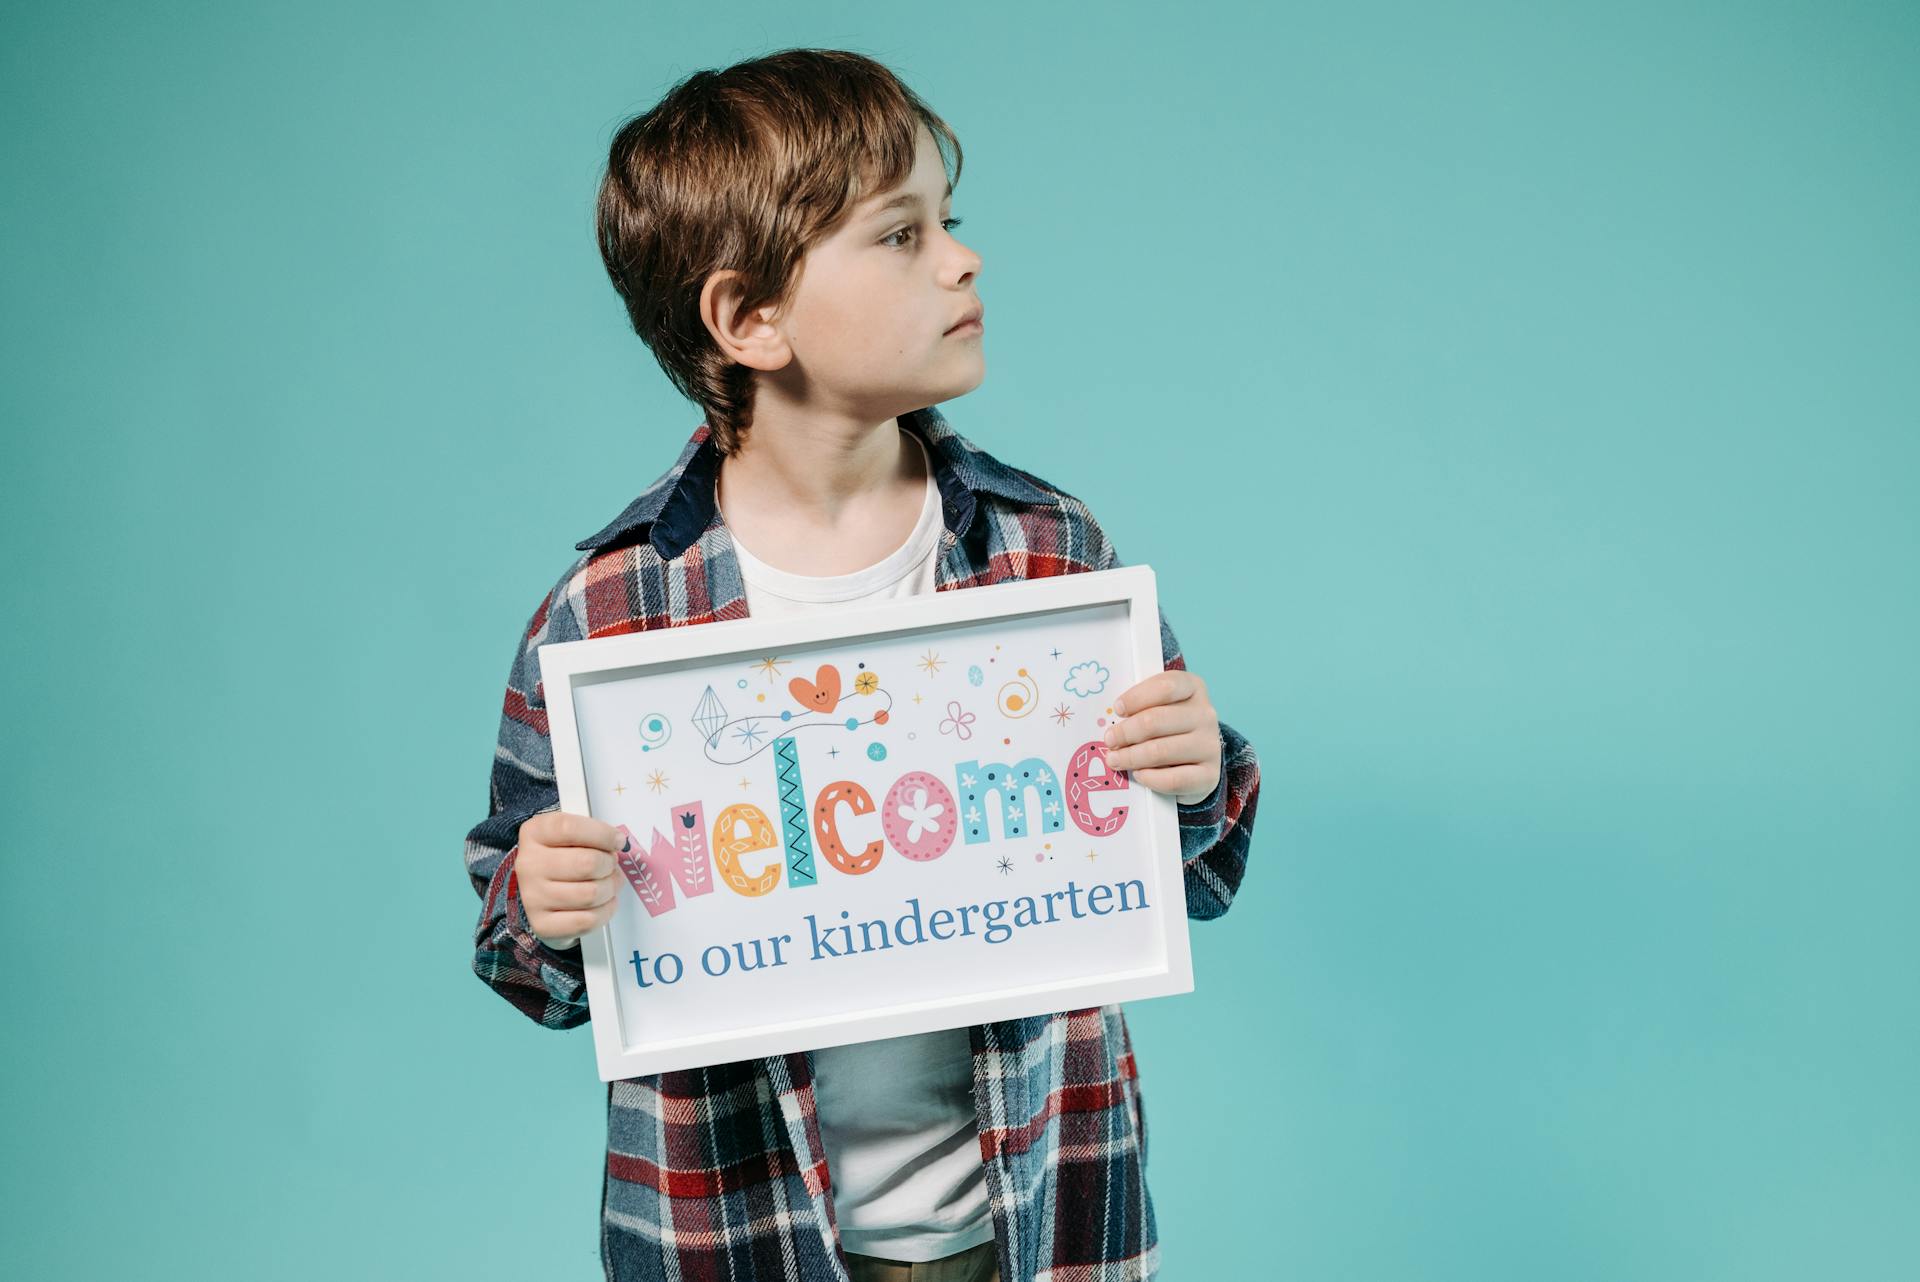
(719,1172)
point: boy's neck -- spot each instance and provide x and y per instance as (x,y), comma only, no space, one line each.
(817,469)
(823,497)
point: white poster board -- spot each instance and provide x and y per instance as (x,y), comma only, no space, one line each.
(888,820)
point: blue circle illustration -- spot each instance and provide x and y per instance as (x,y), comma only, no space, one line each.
(975,676)
(655,731)
(877,751)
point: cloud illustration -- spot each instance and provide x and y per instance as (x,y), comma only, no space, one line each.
(1087,678)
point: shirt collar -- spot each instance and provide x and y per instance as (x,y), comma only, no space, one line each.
(676,509)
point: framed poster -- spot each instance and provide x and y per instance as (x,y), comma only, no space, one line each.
(892,819)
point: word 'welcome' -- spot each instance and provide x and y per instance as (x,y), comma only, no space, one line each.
(918,816)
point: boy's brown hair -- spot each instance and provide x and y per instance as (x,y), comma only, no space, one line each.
(746,169)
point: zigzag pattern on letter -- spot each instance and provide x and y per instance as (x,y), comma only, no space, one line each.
(793,812)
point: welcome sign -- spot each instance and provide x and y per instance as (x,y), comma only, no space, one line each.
(885,821)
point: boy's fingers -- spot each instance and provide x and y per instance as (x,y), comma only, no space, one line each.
(1171,750)
(589,895)
(1172,779)
(572,896)
(1132,730)
(576,863)
(585,830)
(559,831)
(1162,687)
(593,916)
(1153,723)
(558,828)
(569,926)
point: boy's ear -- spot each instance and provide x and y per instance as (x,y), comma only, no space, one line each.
(748,337)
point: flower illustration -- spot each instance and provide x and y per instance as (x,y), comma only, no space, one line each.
(958,721)
(866,683)
(920,816)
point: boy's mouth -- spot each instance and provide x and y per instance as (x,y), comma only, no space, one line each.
(973,320)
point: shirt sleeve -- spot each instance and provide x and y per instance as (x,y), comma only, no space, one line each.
(1215,831)
(547,985)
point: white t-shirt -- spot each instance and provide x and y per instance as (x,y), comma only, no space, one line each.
(897,1116)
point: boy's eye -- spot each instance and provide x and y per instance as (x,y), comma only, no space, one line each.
(948,223)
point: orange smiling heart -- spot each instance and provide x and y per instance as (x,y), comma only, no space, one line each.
(820,694)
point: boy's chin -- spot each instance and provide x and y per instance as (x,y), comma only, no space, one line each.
(961,386)
(933,393)
(883,403)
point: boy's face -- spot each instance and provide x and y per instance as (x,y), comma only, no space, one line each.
(865,332)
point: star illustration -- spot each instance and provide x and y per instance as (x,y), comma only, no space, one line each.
(916,698)
(771,666)
(1044,778)
(1063,714)
(931,662)
(1054,653)
(1053,807)
(749,734)
(833,752)
(745,784)
(966,781)
(657,781)
(973,814)
(1005,865)
(619,787)
(1093,854)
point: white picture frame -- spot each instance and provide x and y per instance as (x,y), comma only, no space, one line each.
(809,999)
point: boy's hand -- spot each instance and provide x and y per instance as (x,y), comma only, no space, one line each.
(1170,738)
(567,875)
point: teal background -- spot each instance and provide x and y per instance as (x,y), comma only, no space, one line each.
(1519,404)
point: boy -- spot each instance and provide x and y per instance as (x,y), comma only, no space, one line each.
(778,231)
